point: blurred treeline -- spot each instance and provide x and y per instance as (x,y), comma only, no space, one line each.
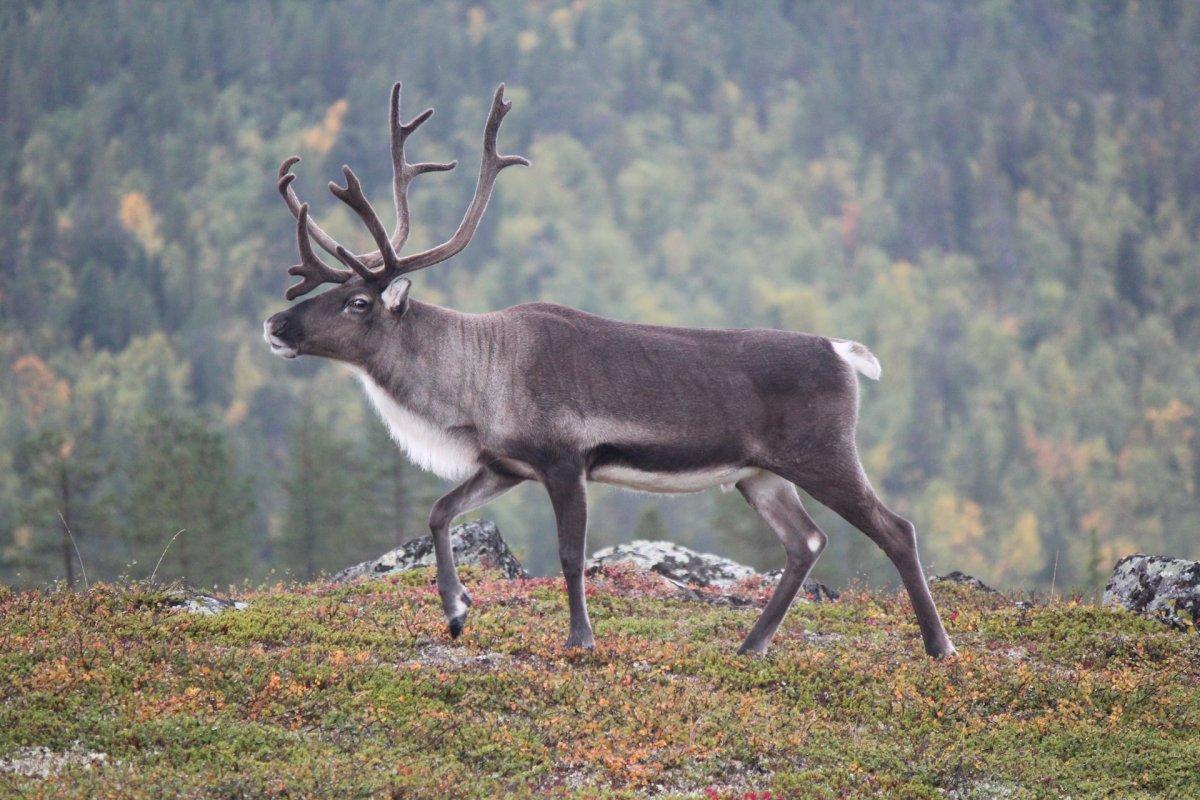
(1001,199)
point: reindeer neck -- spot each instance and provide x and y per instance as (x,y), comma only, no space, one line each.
(426,365)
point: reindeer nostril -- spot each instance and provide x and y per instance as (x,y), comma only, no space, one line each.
(277,325)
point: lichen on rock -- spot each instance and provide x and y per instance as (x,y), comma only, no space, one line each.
(473,542)
(683,565)
(676,562)
(1167,589)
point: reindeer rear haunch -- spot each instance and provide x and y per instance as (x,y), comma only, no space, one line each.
(539,392)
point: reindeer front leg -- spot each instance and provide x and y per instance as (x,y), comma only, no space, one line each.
(483,486)
(568,495)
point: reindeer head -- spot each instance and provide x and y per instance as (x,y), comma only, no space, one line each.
(350,321)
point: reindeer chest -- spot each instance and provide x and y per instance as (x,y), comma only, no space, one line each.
(428,445)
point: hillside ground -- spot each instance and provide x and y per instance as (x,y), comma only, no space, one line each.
(354,691)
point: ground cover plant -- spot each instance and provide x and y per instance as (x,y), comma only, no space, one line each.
(355,691)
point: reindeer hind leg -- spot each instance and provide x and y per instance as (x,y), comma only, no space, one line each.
(839,482)
(776,501)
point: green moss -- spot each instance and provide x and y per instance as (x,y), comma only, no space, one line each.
(356,691)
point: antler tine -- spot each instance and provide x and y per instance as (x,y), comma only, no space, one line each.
(285,188)
(311,268)
(284,185)
(500,109)
(352,195)
(402,171)
(489,167)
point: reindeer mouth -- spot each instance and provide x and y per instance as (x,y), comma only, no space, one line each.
(278,346)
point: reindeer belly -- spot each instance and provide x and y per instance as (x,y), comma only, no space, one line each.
(428,445)
(670,482)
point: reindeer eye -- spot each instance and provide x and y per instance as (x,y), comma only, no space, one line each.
(358,304)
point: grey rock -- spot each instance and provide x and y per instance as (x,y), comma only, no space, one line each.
(439,655)
(682,565)
(964,788)
(675,562)
(1167,589)
(963,579)
(203,604)
(42,762)
(473,542)
(210,606)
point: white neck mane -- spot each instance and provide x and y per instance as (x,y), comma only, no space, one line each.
(426,444)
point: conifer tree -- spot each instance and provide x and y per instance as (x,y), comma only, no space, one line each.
(182,476)
(59,510)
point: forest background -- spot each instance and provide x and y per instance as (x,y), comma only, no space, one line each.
(1001,199)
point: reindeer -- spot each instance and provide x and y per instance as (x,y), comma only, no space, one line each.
(540,392)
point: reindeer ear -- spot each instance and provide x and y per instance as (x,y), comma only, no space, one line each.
(395,296)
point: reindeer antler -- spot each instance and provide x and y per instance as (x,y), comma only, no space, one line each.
(315,272)
(402,171)
(311,268)
(489,168)
(353,196)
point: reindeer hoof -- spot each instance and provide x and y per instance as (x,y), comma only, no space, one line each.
(456,612)
(580,642)
(944,653)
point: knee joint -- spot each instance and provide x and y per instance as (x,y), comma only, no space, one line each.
(902,537)
(571,566)
(805,547)
(808,546)
(439,517)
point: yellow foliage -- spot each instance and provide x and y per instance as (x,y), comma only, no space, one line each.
(1098,520)
(957,525)
(563,23)
(323,136)
(677,252)
(835,174)
(1023,552)
(527,41)
(39,387)
(966,515)
(23,537)
(477,26)
(730,93)
(1061,460)
(1116,548)
(899,281)
(878,459)
(236,413)
(139,219)
(1165,420)
(797,308)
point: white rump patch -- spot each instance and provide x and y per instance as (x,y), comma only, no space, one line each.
(427,445)
(857,356)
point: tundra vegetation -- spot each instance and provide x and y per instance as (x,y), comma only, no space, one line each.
(1001,200)
(322,690)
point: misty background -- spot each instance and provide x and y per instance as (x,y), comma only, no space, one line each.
(1000,199)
